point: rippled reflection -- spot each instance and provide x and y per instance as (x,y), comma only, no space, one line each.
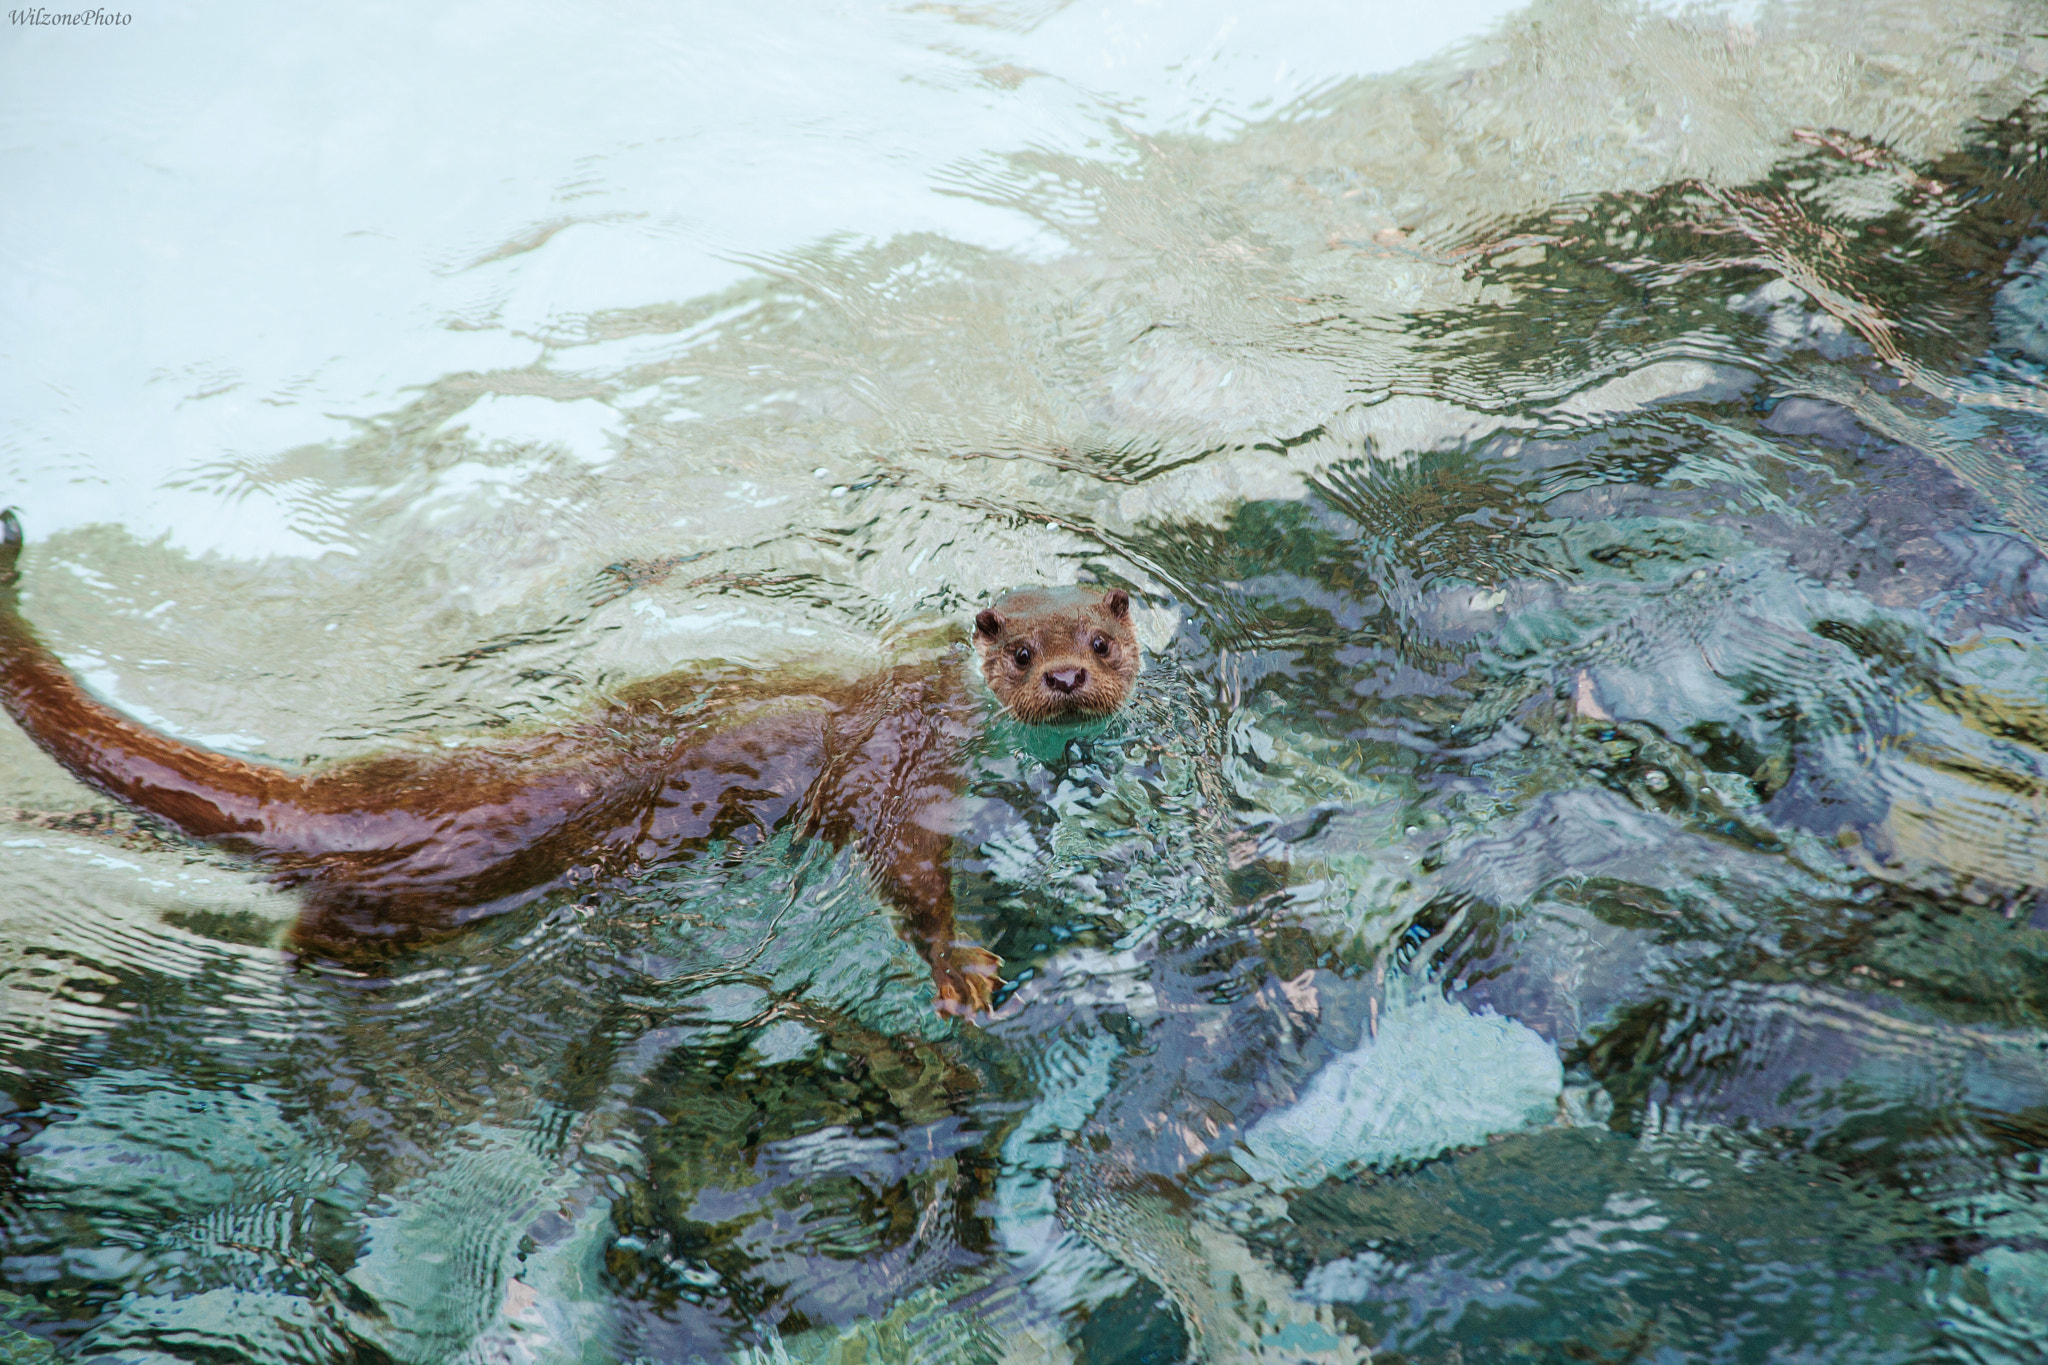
(1570,885)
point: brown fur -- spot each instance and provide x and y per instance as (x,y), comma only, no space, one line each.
(400,848)
(1055,655)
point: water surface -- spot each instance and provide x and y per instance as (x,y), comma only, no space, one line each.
(1568,888)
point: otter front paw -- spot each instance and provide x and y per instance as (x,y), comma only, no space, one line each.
(966,978)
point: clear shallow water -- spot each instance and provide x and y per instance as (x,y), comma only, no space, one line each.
(1569,887)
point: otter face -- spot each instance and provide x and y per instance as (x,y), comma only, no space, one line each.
(1058,655)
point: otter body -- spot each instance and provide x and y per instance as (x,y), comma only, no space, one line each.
(398,849)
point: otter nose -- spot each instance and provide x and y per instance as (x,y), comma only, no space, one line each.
(1065,679)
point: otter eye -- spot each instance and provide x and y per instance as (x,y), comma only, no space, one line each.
(1100,644)
(1022,656)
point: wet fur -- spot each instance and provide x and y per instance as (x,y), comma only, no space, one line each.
(402,848)
(1054,655)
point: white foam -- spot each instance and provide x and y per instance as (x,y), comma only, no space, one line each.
(584,427)
(1436,1077)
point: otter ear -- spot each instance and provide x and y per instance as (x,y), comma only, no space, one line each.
(989,623)
(1119,603)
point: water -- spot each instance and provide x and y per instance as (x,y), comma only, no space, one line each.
(1569,887)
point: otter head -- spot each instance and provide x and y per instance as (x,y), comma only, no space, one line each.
(1058,655)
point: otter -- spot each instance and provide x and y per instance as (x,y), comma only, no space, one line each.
(397,849)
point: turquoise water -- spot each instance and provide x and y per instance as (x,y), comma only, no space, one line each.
(1569,886)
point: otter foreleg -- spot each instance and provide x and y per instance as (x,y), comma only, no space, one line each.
(911,865)
(893,785)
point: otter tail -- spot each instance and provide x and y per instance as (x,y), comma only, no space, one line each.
(205,794)
(10,554)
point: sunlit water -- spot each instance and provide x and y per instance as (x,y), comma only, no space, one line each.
(1569,888)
